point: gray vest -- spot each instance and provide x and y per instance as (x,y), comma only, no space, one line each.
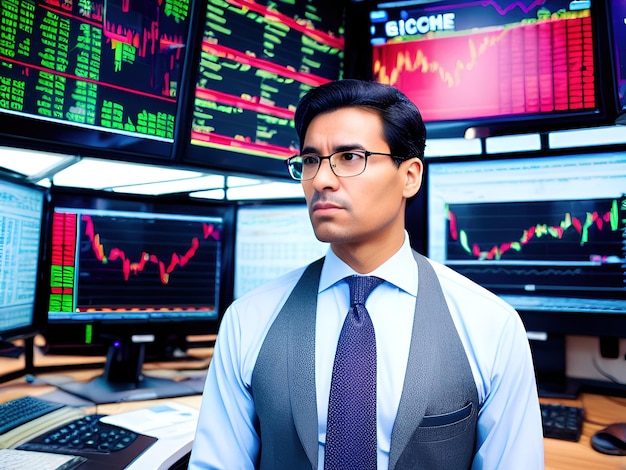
(435,427)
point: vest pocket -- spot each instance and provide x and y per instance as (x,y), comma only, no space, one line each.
(442,442)
(444,426)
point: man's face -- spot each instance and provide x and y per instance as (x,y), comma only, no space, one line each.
(363,209)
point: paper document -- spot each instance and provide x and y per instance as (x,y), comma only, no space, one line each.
(162,420)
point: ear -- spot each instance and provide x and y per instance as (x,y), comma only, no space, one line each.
(413,170)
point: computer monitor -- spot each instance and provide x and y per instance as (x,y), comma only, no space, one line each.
(495,67)
(138,275)
(257,59)
(272,239)
(93,78)
(545,233)
(22,225)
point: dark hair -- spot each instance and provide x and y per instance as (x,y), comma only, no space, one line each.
(404,128)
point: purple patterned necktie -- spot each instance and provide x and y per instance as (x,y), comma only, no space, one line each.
(351,426)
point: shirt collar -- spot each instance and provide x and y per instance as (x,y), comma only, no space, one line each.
(399,270)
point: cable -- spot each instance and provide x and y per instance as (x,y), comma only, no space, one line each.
(605,374)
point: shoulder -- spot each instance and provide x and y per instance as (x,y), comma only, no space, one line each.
(486,324)
(248,319)
(490,329)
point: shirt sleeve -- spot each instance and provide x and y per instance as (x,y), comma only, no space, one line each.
(226,437)
(509,433)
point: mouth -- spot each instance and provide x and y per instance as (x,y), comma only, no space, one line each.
(321,208)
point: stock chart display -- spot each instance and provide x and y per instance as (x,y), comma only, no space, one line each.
(116,264)
(465,60)
(550,225)
(572,244)
(112,65)
(257,59)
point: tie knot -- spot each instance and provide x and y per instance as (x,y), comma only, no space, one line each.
(360,288)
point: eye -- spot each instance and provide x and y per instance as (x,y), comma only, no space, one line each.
(352,156)
(310,159)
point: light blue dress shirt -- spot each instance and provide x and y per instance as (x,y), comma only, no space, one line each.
(509,434)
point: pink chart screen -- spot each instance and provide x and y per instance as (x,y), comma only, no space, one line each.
(488,59)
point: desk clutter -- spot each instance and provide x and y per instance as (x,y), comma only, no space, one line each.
(153,437)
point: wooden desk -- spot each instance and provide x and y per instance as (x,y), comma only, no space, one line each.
(559,455)
(600,411)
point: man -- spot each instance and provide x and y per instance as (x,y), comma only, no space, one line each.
(454,382)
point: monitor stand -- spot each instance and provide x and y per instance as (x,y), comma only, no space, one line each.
(123,379)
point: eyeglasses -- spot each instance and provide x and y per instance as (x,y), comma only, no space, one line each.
(343,163)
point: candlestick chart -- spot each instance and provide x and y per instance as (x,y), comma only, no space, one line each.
(133,264)
(574,243)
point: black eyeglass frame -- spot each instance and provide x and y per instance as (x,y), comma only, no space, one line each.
(366,155)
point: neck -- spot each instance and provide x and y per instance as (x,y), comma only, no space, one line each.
(365,257)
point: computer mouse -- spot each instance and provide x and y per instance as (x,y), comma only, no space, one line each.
(610,440)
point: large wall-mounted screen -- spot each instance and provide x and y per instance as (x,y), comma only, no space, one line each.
(257,59)
(97,77)
(506,65)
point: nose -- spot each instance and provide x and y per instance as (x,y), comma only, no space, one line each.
(325,176)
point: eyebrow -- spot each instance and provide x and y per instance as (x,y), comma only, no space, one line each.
(339,148)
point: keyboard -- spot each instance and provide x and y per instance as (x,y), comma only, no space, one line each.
(22,410)
(561,421)
(88,437)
